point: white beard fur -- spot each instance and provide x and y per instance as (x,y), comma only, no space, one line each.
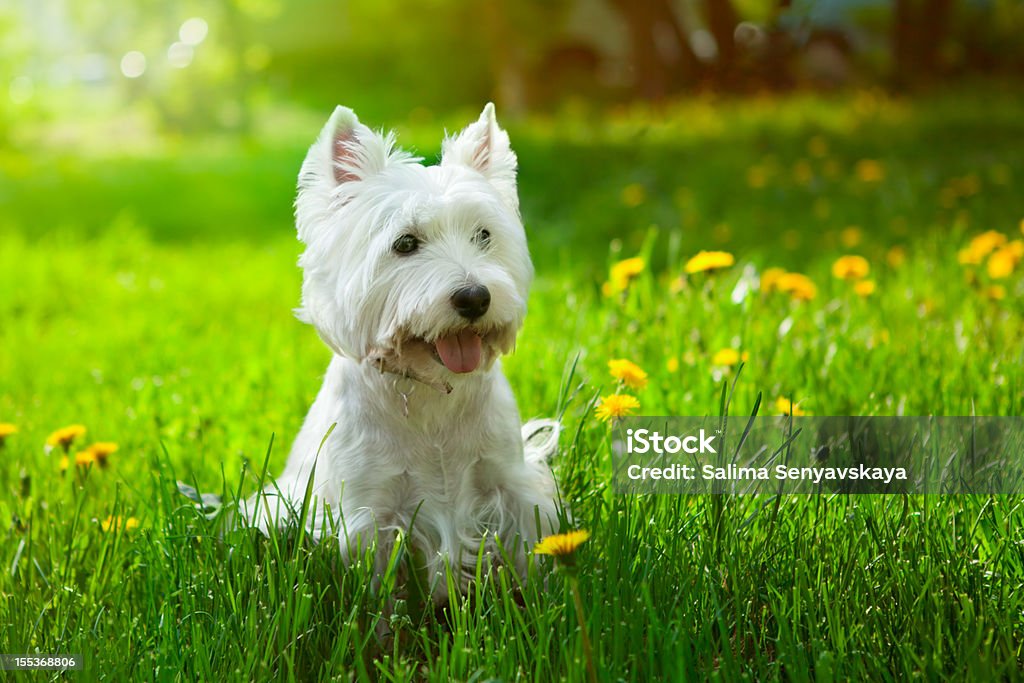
(416,448)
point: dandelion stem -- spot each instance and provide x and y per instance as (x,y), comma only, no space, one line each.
(588,651)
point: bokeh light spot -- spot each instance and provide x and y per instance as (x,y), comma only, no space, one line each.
(179,55)
(133,64)
(193,31)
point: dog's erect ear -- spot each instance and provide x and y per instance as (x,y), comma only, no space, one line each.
(484,147)
(344,144)
(345,151)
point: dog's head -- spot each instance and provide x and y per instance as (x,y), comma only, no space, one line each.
(424,269)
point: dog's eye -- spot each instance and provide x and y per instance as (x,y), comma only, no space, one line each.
(406,244)
(482,237)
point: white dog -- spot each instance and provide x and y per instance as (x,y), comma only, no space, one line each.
(417,278)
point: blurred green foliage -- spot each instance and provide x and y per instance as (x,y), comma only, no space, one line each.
(63,61)
(776,175)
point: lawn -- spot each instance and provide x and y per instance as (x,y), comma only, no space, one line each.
(148,298)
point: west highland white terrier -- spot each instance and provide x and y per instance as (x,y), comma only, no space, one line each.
(416,277)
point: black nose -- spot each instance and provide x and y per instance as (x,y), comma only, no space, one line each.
(471,302)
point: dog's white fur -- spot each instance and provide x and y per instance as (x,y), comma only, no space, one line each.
(416,447)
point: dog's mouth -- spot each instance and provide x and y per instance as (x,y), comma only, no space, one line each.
(426,357)
(460,351)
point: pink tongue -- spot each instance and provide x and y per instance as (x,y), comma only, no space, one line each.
(460,352)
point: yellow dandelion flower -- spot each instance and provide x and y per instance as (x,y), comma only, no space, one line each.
(628,268)
(101,450)
(621,274)
(817,146)
(63,464)
(628,372)
(64,436)
(633,195)
(988,241)
(803,174)
(967,257)
(981,246)
(870,171)
(797,286)
(672,364)
(851,236)
(770,279)
(561,544)
(850,267)
(84,458)
(708,261)
(786,406)
(1001,264)
(864,288)
(896,257)
(729,357)
(119,523)
(996,292)
(616,405)
(757,177)
(6,430)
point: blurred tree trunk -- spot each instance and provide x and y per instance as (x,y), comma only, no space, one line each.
(678,53)
(935,25)
(919,30)
(722,20)
(776,62)
(506,60)
(903,36)
(662,60)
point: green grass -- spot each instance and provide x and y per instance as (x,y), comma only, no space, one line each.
(158,315)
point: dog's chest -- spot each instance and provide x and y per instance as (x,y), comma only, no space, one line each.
(446,468)
(405,470)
